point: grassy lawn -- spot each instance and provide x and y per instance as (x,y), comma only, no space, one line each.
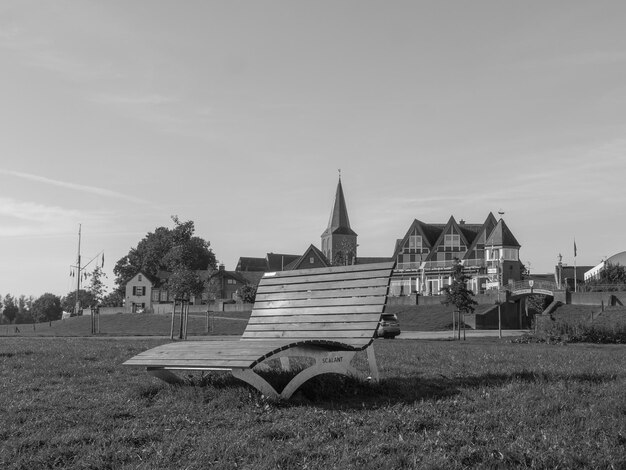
(68,403)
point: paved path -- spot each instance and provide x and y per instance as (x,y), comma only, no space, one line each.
(468,333)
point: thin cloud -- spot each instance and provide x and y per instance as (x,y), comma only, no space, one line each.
(27,219)
(76,187)
(31,211)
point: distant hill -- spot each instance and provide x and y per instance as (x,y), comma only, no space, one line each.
(136,324)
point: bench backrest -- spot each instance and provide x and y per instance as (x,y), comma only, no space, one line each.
(342,304)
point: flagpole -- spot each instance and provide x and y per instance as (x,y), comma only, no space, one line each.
(575,277)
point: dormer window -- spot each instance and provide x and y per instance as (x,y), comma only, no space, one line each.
(453,241)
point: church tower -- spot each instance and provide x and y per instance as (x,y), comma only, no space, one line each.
(339,240)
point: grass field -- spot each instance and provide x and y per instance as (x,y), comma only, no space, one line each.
(68,403)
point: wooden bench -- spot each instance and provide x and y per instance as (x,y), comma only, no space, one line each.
(325,315)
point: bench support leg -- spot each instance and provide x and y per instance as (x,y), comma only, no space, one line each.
(326,362)
(371,359)
(258,382)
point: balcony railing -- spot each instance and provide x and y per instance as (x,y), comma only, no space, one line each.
(439,265)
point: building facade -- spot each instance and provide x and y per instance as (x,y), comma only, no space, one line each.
(489,253)
(143,292)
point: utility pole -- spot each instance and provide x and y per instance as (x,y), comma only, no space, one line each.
(79,270)
(78,274)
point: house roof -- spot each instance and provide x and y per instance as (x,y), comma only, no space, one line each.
(485,229)
(312,250)
(228,274)
(153,280)
(251,264)
(471,234)
(339,222)
(618,258)
(501,236)
(278,261)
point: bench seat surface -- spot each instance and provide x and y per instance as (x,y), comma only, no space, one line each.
(223,354)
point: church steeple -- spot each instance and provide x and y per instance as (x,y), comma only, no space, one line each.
(339,240)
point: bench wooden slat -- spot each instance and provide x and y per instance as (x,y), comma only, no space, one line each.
(322,294)
(308,334)
(316,271)
(333,277)
(308,326)
(347,284)
(308,303)
(302,317)
(177,364)
(360,309)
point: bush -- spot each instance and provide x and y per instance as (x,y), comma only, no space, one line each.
(581,333)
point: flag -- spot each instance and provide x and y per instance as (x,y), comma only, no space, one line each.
(102,260)
(574,248)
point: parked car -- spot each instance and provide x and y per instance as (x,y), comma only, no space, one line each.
(388,327)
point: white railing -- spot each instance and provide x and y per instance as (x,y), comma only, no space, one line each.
(532,284)
(408,266)
(439,265)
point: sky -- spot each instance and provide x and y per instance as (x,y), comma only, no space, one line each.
(117,115)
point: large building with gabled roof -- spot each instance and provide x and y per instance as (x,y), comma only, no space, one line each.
(424,258)
(489,252)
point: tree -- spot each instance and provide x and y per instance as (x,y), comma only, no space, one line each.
(10,308)
(537,303)
(247,293)
(185,283)
(612,274)
(47,308)
(24,305)
(165,249)
(345,253)
(457,293)
(113,299)
(97,287)
(85,298)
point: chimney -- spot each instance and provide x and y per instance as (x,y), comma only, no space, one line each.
(221,267)
(461,222)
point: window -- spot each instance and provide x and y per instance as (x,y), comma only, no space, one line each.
(415,242)
(453,241)
(311,260)
(139,290)
(139,278)
(510,254)
(231,281)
